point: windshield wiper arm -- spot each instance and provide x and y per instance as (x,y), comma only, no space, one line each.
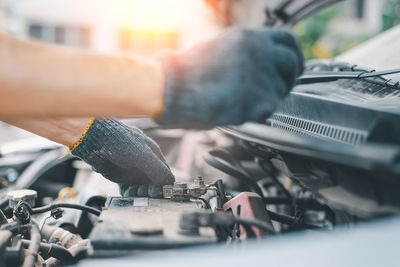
(328,76)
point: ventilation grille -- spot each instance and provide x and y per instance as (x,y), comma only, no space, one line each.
(317,129)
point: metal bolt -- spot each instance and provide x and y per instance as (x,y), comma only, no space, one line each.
(199,181)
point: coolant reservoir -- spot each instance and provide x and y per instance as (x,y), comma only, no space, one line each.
(16,196)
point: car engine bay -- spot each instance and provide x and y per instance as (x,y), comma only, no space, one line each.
(296,172)
(328,158)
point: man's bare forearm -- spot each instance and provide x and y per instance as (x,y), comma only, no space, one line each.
(66,131)
(44,80)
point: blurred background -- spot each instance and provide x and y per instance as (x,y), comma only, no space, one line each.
(340,27)
(147,26)
(129,26)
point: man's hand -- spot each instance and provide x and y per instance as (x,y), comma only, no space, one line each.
(120,153)
(240,76)
(125,155)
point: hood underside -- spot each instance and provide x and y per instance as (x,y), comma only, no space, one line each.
(289,12)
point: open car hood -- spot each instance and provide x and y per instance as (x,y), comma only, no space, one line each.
(289,12)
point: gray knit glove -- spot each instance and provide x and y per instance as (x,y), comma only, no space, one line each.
(127,156)
(239,76)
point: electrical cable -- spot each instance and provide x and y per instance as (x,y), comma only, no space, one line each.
(277,201)
(253,222)
(290,220)
(33,248)
(65,205)
(205,202)
(52,250)
(3,218)
(221,190)
(222,161)
(282,218)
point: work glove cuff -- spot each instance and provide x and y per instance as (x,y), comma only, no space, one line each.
(180,109)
